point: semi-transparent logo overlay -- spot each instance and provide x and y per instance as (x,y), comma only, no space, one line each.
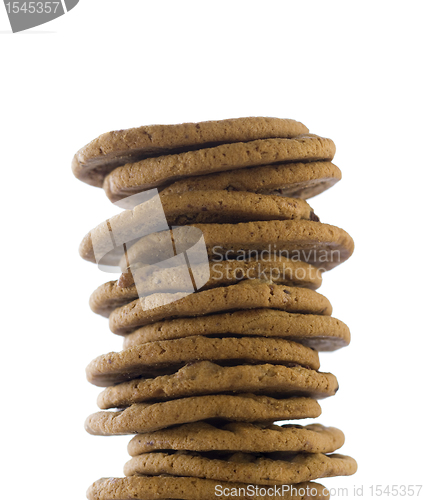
(158,258)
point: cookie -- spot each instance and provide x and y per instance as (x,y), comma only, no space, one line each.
(188,208)
(145,417)
(95,160)
(157,172)
(322,333)
(230,207)
(155,279)
(321,245)
(249,294)
(205,377)
(318,244)
(294,180)
(189,488)
(240,436)
(163,356)
(228,272)
(267,469)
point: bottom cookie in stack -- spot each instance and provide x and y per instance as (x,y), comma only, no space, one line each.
(188,488)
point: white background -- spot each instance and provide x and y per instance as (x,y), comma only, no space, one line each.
(349,71)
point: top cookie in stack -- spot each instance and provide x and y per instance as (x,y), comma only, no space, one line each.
(193,156)
(220,317)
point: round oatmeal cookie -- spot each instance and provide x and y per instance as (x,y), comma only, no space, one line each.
(265,469)
(250,294)
(158,172)
(156,279)
(189,488)
(164,356)
(147,417)
(204,377)
(95,160)
(323,333)
(240,436)
(295,180)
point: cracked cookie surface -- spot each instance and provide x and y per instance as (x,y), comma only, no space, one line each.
(146,417)
(205,377)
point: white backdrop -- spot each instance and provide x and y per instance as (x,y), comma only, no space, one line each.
(351,72)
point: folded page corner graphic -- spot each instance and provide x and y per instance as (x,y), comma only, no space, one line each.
(24,15)
(70,4)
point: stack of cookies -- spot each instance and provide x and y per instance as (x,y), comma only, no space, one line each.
(219,258)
